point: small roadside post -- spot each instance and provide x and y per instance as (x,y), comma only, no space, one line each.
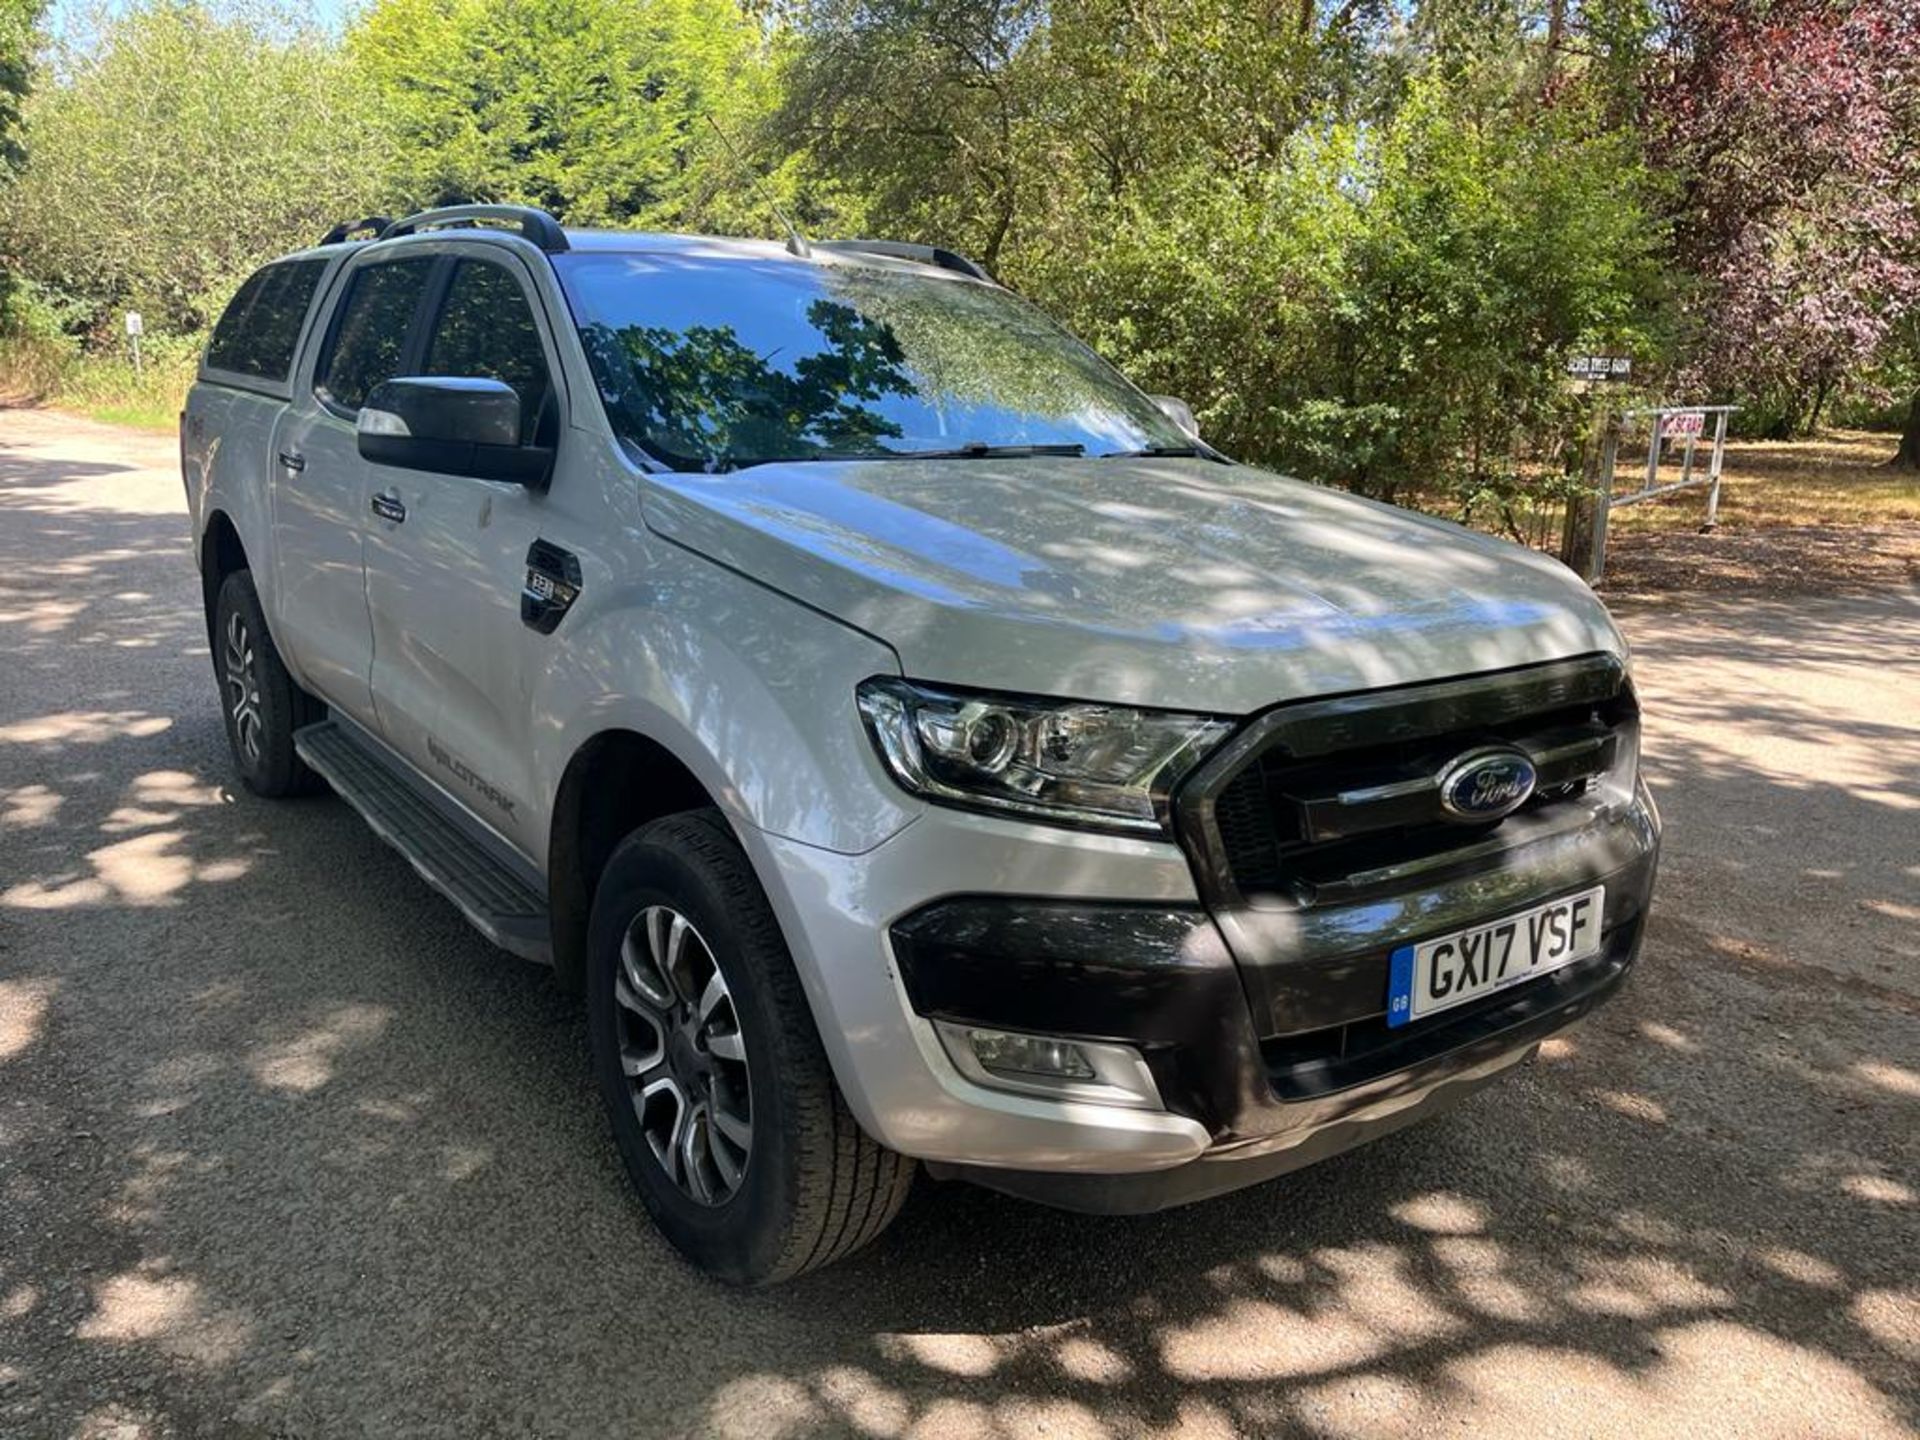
(1583,531)
(136,327)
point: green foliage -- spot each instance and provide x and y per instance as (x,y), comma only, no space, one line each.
(924,106)
(107,387)
(592,109)
(1361,236)
(179,152)
(1362,247)
(1493,241)
(18,19)
(40,368)
(1388,305)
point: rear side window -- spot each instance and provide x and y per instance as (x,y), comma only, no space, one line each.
(257,334)
(370,337)
(486,329)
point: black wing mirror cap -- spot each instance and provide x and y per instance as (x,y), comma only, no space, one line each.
(452,425)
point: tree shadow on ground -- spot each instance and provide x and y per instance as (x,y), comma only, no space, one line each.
(285,1150)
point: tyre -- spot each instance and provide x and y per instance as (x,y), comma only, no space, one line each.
(720,1096)
(261,704)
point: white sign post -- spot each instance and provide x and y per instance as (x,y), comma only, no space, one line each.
(136,327)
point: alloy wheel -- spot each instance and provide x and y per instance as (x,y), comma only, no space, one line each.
(243,687)
(684,1056)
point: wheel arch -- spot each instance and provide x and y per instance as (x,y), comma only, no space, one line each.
(222,553)
(615,781)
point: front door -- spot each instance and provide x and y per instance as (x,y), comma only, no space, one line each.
(453,663)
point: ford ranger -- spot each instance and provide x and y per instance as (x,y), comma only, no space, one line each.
(917,744)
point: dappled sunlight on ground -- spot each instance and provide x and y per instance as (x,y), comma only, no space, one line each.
(151,865)
(286,1150)
(23,1010)
(306,1060)
(74,728)
(1890,1078)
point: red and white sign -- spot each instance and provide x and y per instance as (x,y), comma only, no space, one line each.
(1681,424)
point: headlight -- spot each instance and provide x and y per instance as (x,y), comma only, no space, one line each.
(1063,761)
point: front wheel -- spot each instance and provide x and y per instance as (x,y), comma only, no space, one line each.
(260,701)
(720,1096)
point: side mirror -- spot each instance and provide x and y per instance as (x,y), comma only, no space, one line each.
(453,425)
(1178,411)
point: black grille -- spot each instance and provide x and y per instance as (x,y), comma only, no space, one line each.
(1248,833)
(1349,793)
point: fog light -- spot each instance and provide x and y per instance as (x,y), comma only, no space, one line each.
(1101,1072)
(1006,1054)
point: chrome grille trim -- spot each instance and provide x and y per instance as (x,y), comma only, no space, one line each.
(1292,844)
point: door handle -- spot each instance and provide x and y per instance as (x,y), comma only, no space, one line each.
(551,586)
(293,460)
(388,506)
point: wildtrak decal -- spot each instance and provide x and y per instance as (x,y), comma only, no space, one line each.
(460,771)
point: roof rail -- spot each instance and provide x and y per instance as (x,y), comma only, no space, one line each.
(900,250)
(535,225)
(346,228)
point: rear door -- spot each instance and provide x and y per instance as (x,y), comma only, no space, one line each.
(322,488)
(453,662)
(245,382)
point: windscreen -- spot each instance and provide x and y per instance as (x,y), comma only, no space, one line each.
(712,363)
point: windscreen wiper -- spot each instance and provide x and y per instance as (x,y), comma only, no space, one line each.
(972,450)
(980,450)
(1156,452)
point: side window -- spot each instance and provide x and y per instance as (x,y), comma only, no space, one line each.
(257,334)
(370,335)
(486,328)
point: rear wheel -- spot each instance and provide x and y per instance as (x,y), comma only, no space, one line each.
(259,700)
(720,1096)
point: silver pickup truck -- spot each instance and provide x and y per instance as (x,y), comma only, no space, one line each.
(919,746)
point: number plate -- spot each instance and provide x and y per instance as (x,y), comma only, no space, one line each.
(1450,970)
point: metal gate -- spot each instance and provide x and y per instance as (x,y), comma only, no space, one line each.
(1584,547)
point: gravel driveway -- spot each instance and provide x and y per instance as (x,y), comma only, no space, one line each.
(286,1150)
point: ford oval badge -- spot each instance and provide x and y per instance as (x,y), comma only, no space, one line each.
(1486,784)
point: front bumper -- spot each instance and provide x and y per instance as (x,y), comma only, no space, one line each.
(983,921)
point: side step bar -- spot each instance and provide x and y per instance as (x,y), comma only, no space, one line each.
(501,903)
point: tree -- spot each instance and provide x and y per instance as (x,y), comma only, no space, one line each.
(1790,128)
(1907,457)
(963,121)
(1387,304)
(1359,234)
(592,109)
(178,151)
(18,21)
(1903,376)
(927,106)
(1359,243)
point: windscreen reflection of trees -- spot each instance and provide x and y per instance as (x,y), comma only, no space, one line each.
(700,394)
(886,348)
(974,345)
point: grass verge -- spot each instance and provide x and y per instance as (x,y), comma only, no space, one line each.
(43,372)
